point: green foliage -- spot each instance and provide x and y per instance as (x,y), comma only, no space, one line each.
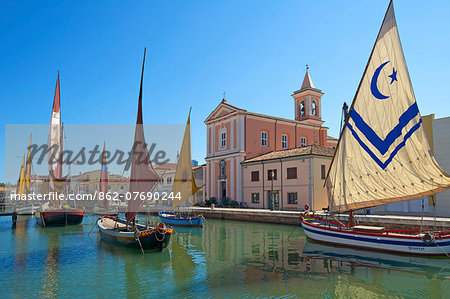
(211,201)
(234,203)
(226,201)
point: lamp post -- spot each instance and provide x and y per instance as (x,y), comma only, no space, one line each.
(272,174)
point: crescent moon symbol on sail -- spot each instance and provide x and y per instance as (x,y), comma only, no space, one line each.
(373,85)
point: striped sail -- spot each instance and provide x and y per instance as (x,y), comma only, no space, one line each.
(54,137)
(383,155)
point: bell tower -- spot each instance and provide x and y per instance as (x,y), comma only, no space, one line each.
(308,102)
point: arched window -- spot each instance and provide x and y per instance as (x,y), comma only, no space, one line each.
(314,109)
(302,109)
(284,141)
(303,141)
(223,138)
(263,138)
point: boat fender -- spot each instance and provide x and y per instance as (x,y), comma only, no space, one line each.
(427,238)
(162,229)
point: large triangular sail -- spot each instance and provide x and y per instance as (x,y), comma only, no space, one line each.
(104,178)
(21,182)
(54,138)
(383,154)
(184,182)
(143,177)
(28,171)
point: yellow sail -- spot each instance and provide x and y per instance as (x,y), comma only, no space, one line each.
(27,187)
(383,154)
(184,182)
(21,183)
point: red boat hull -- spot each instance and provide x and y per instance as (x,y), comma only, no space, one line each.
(59,217)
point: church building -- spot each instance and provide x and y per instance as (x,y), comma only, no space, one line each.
(235,135)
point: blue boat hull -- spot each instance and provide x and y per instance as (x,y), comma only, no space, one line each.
(180,220)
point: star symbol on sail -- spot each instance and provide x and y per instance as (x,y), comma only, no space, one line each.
(393,76)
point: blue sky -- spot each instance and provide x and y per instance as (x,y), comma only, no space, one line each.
(254,50)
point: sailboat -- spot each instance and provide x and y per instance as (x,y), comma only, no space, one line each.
(184,185)
(54,213)
(143,178)
(26,186)
(382,156)
(106,209)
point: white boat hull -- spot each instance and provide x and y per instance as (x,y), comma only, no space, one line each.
(405,244)
(114,211)
(28,210)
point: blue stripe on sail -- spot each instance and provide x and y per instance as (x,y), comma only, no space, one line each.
(394,152)
(366,239)
(383,145)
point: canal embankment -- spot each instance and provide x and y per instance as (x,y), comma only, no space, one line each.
(293,218)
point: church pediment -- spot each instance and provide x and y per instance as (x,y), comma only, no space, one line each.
(222,109)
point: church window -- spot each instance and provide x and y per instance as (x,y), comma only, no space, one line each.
(263,138)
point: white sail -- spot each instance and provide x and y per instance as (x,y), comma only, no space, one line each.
(383,155)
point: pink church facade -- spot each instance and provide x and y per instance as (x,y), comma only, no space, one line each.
(235,135)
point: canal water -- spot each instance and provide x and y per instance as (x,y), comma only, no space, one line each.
(224,259)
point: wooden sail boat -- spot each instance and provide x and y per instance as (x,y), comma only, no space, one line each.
(54,213)
(382,156)
(127,232)
(106,209)
(184,185)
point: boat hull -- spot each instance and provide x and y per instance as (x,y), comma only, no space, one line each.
(28,210)
(150,238)
(99,211)
(399,243)
(180,220)
(59,217)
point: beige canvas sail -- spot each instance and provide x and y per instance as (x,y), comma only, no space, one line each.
(383,155)
(21,183)
(184,182)
(27,188)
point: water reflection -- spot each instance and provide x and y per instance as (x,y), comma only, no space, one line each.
(353,269)
(224,259)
